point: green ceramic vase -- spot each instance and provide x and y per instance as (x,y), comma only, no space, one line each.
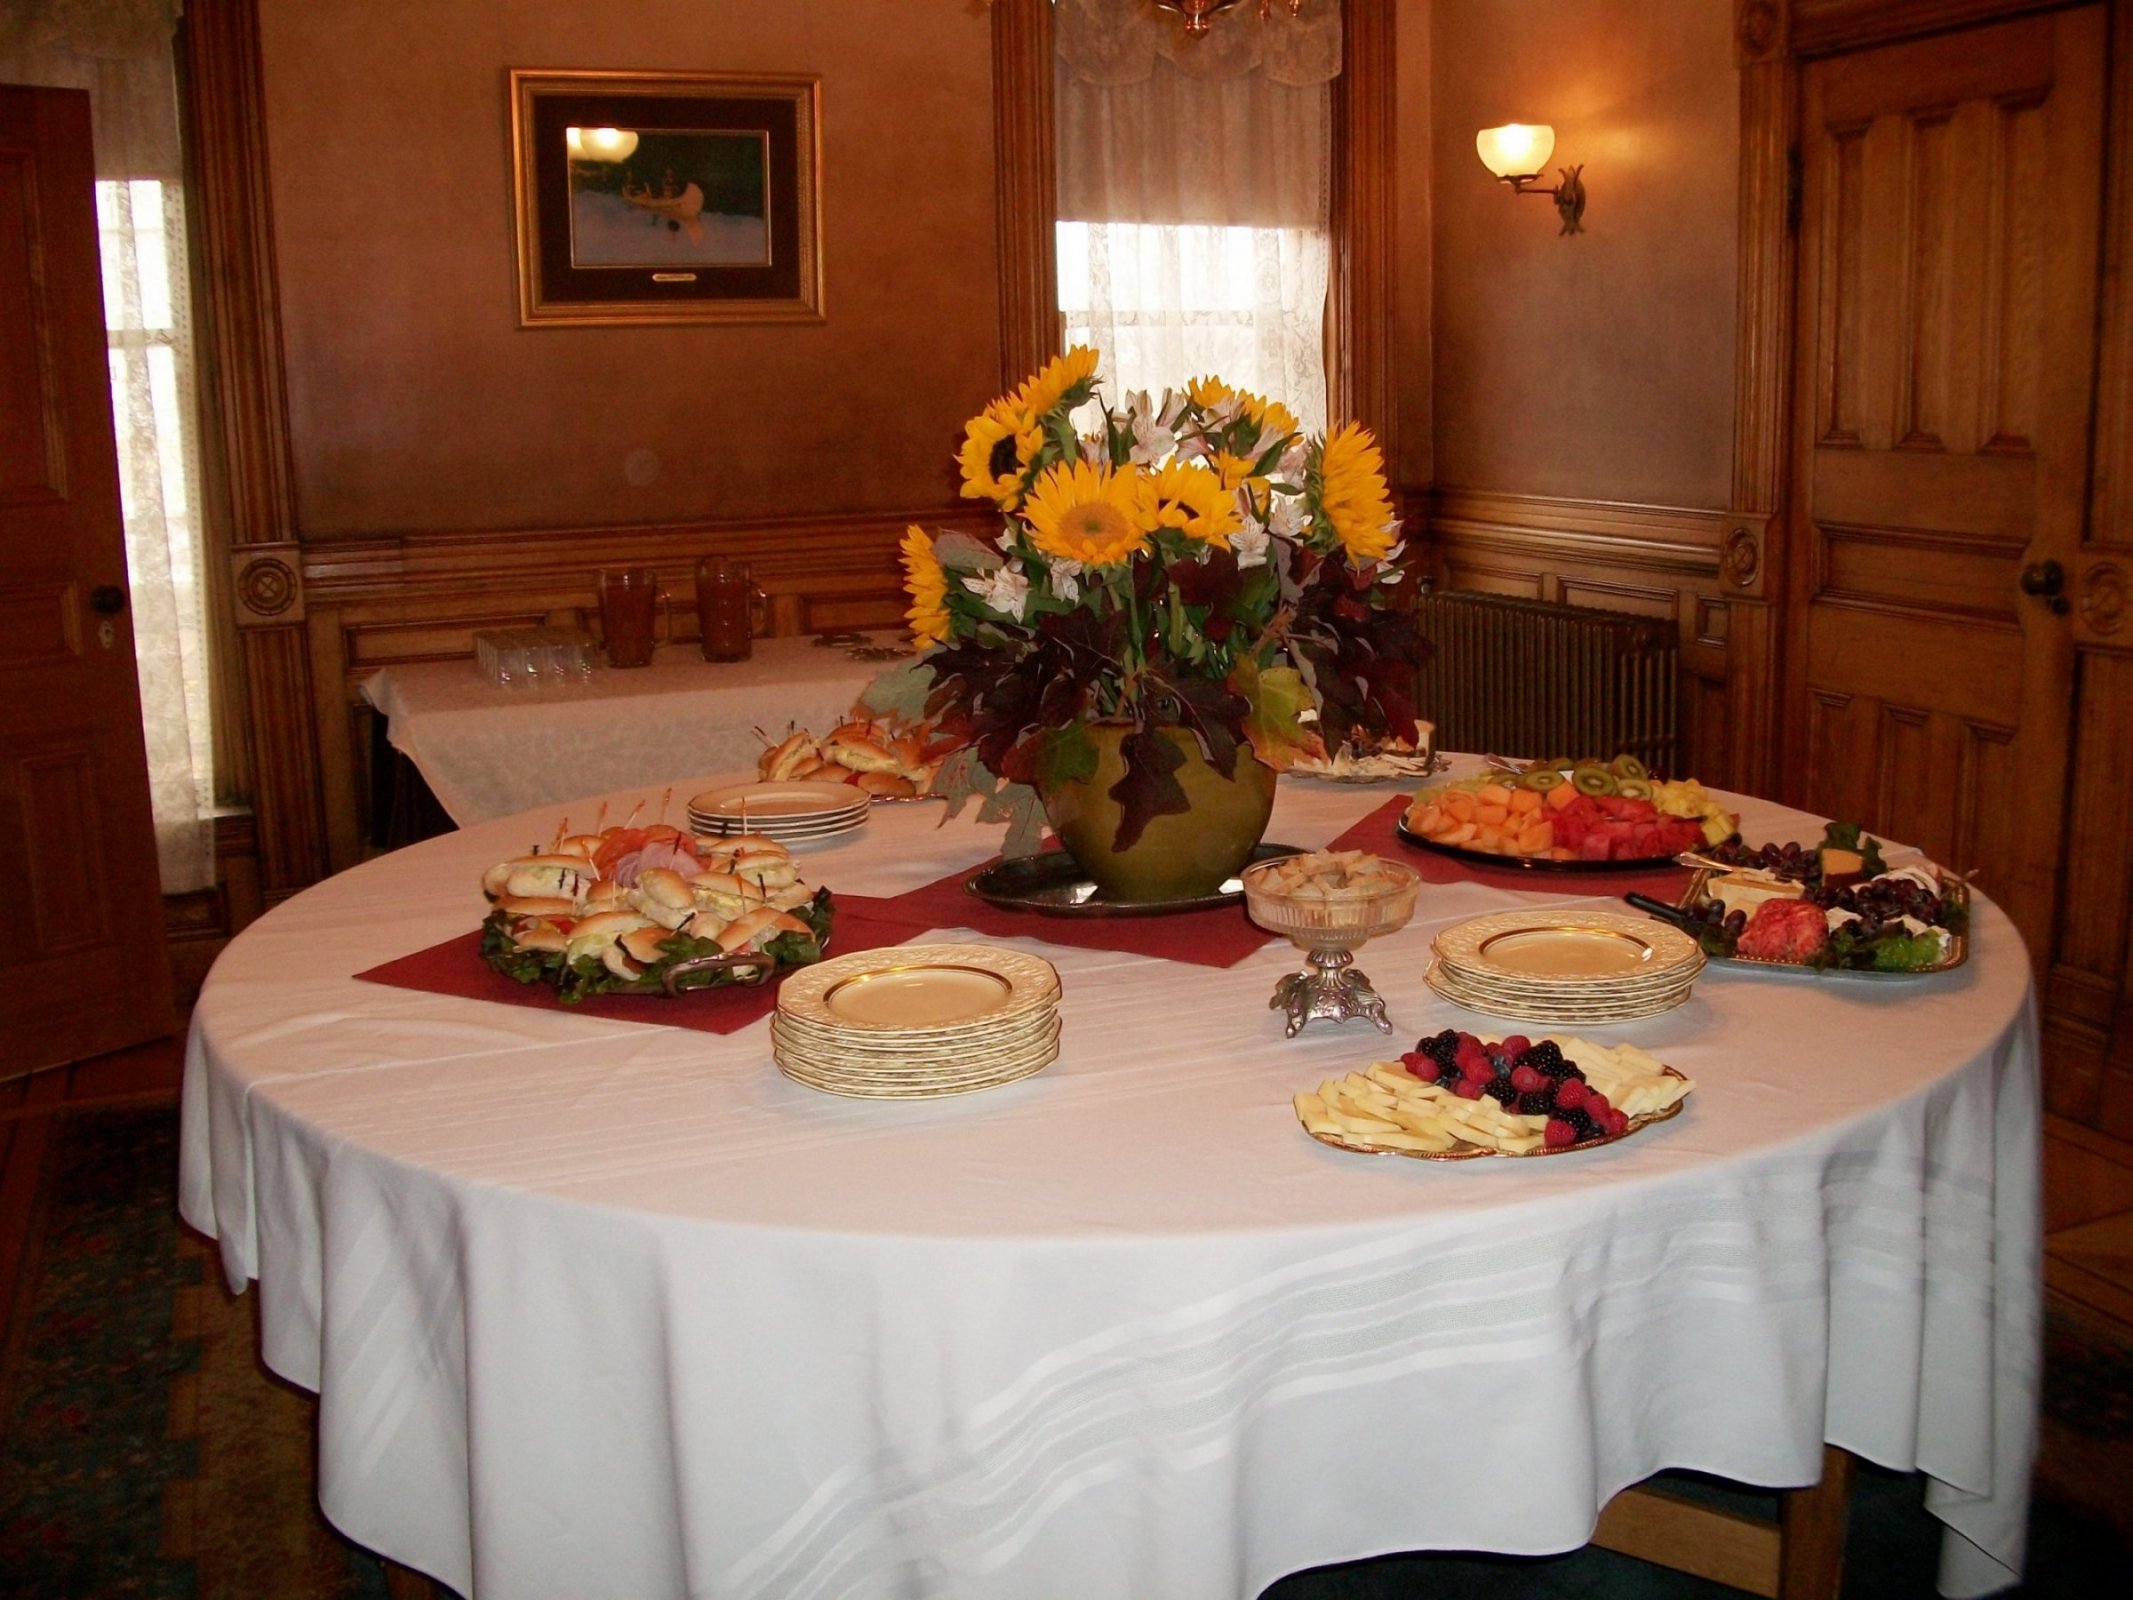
(1176,857)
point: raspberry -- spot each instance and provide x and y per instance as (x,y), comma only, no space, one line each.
(1559,1133)
(1525,1079)
(1476,1071)
(1412,1059)
(1427,1070)
(1515,1046)
(1617,1121)
(1468,1089)
(1571,1093)
(1597,1104)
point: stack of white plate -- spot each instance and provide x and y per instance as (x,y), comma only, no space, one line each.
(1563,964)
(917,1021)
(792,813)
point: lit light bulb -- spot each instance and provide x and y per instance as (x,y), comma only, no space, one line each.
(1517,149)
(600,144)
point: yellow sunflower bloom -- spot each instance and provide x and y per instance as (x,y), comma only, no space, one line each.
(998,445)
(1208,392)
(1234,471)
(1352,494)
(1090,514)
(1275,420)
(927,585)
(1060,377)
(1195,501)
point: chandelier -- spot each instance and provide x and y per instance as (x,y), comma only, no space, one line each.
(1196,12)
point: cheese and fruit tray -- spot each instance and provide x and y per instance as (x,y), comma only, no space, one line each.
(1833,906)
(1585,815)
(1455,1097)
(650,911)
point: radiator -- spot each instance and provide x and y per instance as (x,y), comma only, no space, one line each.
(1532,679)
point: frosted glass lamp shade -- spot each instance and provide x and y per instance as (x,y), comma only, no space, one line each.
(1517,149)
(600,144)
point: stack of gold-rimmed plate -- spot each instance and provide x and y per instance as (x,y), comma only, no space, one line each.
(793,812)
(917,1021)
(1565,964)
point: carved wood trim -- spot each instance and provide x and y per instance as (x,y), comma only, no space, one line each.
(1669,539)
(1026,186)
(1825,27)
(241,341)
(1364,109)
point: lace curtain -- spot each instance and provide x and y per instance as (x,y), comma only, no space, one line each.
(120,51)
(1194,184)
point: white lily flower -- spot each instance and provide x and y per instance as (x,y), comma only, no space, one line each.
(1249,543)
(1005,590)
(1152,441)
(1173,408)
(1293,461)
(1286,516)
(1095,451)
(1062,580)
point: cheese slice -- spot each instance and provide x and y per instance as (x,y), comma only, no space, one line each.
(1744,891)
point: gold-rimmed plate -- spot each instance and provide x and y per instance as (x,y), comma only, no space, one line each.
(919,991)
(1550,1008)
(1570,946)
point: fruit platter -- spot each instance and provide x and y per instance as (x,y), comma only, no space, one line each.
(1575,815)
(1831,906)
(650,911)
(1456,1097)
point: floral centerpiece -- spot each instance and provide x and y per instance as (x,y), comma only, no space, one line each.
(1189,577)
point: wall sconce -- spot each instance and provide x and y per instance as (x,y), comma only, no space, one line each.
(1518,153)
(600,144)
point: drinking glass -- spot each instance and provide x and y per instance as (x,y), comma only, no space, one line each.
(730,609)
(629,606)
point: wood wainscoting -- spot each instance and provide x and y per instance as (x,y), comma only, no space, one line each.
(372,603)
(1676,562)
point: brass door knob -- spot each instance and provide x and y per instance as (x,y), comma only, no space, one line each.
(2046,580)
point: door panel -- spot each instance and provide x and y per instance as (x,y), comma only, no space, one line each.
(85,963)
(1948,260)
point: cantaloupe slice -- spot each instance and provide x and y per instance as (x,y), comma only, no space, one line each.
(1490,815)
(1524,802)
(1493,794)
(1537,838)
(1459,805)
(1561,795)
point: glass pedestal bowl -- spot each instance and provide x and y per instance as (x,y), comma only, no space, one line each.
(1330,928)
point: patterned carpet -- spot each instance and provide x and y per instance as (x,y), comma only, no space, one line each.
(144,1452)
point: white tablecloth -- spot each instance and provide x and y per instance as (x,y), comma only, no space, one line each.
(487,752)
(601,1309)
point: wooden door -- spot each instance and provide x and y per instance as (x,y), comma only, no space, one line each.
(83,965)
(1948,266)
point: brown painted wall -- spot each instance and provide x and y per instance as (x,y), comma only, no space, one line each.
(417,402)
(1599,366)
(1409,460)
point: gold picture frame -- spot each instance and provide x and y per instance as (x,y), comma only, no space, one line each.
(666,197)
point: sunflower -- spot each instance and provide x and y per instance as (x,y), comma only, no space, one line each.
(1273,419)
(999,443)
(1235,471)
(1196,502)
(1064,377)
(927,585)
(1352,496)
(1209,393)
(1090,514)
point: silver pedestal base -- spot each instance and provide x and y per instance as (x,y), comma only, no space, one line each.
(1334,990)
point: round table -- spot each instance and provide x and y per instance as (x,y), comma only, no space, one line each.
(595,1307)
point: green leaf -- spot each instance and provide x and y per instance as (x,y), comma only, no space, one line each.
(1066,755)
(1275,725)
(900,692)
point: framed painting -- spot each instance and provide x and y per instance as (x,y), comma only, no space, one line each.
(666,197)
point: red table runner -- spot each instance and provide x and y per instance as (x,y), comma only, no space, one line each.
(1220,937)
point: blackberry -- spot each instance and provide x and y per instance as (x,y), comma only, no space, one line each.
(1535,1103)
(1500,1090)
(1541,1056)
(1440,1049)
(1585,1126)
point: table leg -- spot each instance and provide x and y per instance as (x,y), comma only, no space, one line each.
(1812,1524)
(405,1583)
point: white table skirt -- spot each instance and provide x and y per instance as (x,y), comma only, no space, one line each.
(488,752)
(605,1309)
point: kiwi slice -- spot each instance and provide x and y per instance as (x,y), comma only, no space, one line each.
(1593,780)
(1628,766)
(1633,788)
(1541,779)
